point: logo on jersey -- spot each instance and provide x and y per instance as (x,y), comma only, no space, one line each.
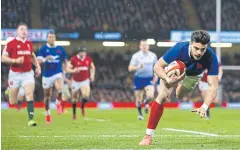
(55,57)
(83,68)
(10,83)
(199,66)
(58,51)
(47,50)
(28,46)
(18,46)
(24,52)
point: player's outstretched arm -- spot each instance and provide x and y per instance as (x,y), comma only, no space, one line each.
(159,69)
(212,90)
(36,64)
(211,95)
(69,68)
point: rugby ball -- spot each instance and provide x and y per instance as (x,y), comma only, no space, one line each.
(175,68)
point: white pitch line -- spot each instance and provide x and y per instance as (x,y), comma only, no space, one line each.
(94,119)
(153,149)
(167,149)
(189,131)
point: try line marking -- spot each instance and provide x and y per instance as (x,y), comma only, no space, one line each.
(189,131)
(95,119)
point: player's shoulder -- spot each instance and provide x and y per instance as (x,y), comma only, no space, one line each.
(11,40)
(28,42)
(152,53)
(73,58)
(209,54)
(182,44)
(43,47)
(59,47)
(210,50)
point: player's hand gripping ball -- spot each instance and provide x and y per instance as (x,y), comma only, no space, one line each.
(175,68)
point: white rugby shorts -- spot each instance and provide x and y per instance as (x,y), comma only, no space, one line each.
(21,91)
(77,85)
(47,82)
(190,82)
(20,79)
(203,86)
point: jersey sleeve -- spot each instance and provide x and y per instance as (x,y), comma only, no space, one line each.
(133,60)
(7,49)
(172,54)
(213,67)
(40,54)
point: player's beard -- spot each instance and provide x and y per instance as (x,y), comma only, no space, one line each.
(194,57)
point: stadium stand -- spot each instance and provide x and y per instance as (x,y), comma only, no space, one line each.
(15,11)
(136,15)
(230,14)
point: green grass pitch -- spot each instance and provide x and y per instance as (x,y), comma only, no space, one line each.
(120,129)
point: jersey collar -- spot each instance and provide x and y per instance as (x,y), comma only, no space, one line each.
(189,50)
(48,45)
(80,58)
(17,38)
(144,53)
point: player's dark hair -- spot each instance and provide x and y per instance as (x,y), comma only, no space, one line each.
(22,24)
(200,36)
(51,32)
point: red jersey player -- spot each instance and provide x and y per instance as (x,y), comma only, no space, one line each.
(203,86)
(19,54)
(80,66)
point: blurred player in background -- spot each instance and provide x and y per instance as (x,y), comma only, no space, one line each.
(197,56)
(203,86)
(52,57)
(80,66)
(19,54)
(142,63)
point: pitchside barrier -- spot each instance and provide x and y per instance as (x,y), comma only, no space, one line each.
(113,105)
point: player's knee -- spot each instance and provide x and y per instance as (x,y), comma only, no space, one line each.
(161,99)
(150,96)
(74,100)
(12,101)
(85,97)
(29,95)
(179,95)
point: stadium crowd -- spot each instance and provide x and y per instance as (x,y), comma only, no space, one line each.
(144,16)
(14,11)
(125,15)
(230,14)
